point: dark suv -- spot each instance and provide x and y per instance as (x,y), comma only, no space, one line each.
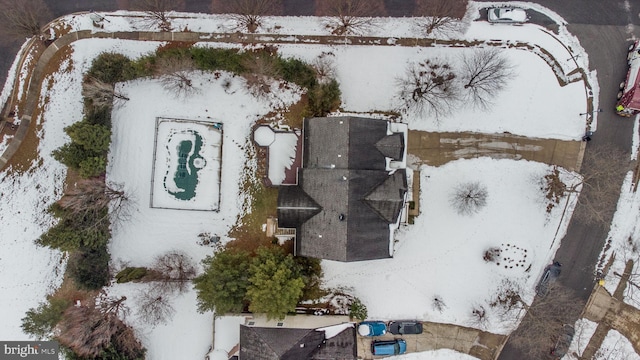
(549,276)
(405,327)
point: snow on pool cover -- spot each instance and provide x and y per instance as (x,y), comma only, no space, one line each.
(186,171)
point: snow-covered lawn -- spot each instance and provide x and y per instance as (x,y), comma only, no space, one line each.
(440,256)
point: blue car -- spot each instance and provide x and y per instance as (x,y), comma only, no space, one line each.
(372,328)
(388,347)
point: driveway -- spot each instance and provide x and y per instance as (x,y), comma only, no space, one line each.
(436,149)
(480,344)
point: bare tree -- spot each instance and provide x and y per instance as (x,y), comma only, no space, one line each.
(101,94)
(154,306)
(350,16)
(492,254)
(484,73)
(428,87)
(554,188)
(469,198)
(175,74)
(24,18)
(261,70)
(544,319)
(158,11)
(438,304)
(176,270)
(92,195)
(508,298)
(248,14)
(479,317)
(89,330)
(440,17)
(325,68)
(604,169)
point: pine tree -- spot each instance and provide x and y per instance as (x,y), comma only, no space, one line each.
(274,287)
(96,138)
(39,322)
(223,285)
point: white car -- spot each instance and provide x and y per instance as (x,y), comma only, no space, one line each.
(507,15)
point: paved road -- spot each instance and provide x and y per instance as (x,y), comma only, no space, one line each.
(604,29)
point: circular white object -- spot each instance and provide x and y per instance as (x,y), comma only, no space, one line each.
(363,330)
(199,163)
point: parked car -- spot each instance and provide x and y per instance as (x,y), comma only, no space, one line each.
(405,327)
(388,347)
(372,328)
(549,276)
(509,15)
(561,346)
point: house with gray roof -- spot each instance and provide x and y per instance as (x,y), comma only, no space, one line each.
(350,191)
(267,343)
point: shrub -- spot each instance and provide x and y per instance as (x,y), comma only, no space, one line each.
(298,72)
(112,68)
(130,274)
(310,271)
(274,285)
(89,268)
(93,166)
(323,99)
(145,65)
(89,229)
(98,115)
(62,237)
(357,310)
(40,321)
(72,155)
(95,138)
(218,59)
(491,254)
(223,285)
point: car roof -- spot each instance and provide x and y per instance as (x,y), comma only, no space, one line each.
(509,13)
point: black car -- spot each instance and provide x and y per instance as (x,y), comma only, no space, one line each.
(405,327)
(549,276)
(561,346)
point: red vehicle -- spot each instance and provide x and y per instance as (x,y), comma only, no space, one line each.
(629,96)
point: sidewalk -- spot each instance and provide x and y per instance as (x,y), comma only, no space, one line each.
(610,312)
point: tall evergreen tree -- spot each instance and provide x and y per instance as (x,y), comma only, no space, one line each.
(275,288)
(223,285)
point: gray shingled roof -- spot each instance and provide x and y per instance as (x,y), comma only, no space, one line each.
(345,198)
(258,343)
(392,146)
(388,198)
(340,347)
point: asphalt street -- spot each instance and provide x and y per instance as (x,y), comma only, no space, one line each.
(605,30)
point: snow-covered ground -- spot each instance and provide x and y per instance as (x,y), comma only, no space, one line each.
(624,242)
(441,255)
